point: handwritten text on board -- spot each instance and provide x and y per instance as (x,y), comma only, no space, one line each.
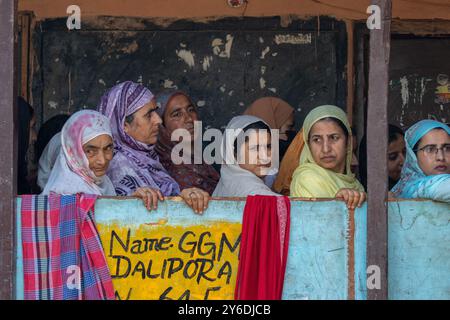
(173,262)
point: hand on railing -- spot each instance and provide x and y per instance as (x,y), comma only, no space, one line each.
(149,196)
(353,198)
(196,198)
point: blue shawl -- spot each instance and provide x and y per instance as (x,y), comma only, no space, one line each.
(413,182)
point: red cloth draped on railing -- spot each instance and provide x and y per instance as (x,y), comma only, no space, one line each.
(264,248)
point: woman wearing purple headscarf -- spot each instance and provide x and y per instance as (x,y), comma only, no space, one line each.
(135,168)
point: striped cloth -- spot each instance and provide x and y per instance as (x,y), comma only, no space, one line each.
(63,258)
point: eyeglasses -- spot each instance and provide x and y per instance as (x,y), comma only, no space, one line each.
(433,149)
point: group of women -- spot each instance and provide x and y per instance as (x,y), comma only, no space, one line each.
(124,148)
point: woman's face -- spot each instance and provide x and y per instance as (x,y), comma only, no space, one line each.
(99,152)
(433,153)
(287,126)
(145,125)
(328,145)
(396,157)
(180,114)
(255,154)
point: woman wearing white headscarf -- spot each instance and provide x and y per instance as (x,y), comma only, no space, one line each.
(48,159)
(243,178)
(86,134)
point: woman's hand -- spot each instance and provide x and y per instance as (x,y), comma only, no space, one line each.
(353,198)
(149,196)
(196,198)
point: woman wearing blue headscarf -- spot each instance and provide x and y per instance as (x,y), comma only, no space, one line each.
(426,172)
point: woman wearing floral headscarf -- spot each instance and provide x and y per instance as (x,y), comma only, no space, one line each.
(86,150)
(426,171)
(135,123)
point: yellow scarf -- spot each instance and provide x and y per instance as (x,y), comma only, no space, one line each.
(311,180)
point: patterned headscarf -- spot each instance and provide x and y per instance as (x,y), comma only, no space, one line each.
(71,173)
(135,164)
(202,175)
(414,183)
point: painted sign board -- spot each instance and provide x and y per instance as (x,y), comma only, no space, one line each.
(172,253)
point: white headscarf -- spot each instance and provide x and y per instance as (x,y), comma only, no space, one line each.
(48,159)
(71,173)
(234,180)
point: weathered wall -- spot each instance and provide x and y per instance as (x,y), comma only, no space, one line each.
(341,9)
(419,86)
(224,65)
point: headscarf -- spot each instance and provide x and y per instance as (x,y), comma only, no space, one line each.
(48,159)
(311,180)
(414,183)
(135,164)
(201,176)
(48,130)
(234,180)
(274,111)
(289,163)
(71,173)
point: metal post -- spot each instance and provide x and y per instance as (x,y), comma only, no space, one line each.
(8,142)
(377,141)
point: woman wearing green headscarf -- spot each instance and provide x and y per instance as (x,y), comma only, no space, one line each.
(324,170)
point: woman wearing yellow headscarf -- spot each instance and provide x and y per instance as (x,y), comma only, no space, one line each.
(324,170)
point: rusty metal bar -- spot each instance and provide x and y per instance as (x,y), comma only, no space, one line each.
(377,142)
(8,141)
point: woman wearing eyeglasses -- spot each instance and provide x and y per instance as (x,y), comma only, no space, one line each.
(426,172)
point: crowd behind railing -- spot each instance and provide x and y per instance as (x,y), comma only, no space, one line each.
(130,146)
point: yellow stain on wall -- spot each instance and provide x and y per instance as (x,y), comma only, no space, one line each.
(161,261)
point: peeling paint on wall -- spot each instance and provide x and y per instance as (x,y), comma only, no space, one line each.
(52,104)
(222,49)
(293,39)
(168,84)
(132,47)
(187,56)
(206,62)
(264,52)
(262,83)
(405,96)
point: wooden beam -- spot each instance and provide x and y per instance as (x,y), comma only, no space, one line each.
(8,141)
(350,70)
(377,142)
(24,24)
